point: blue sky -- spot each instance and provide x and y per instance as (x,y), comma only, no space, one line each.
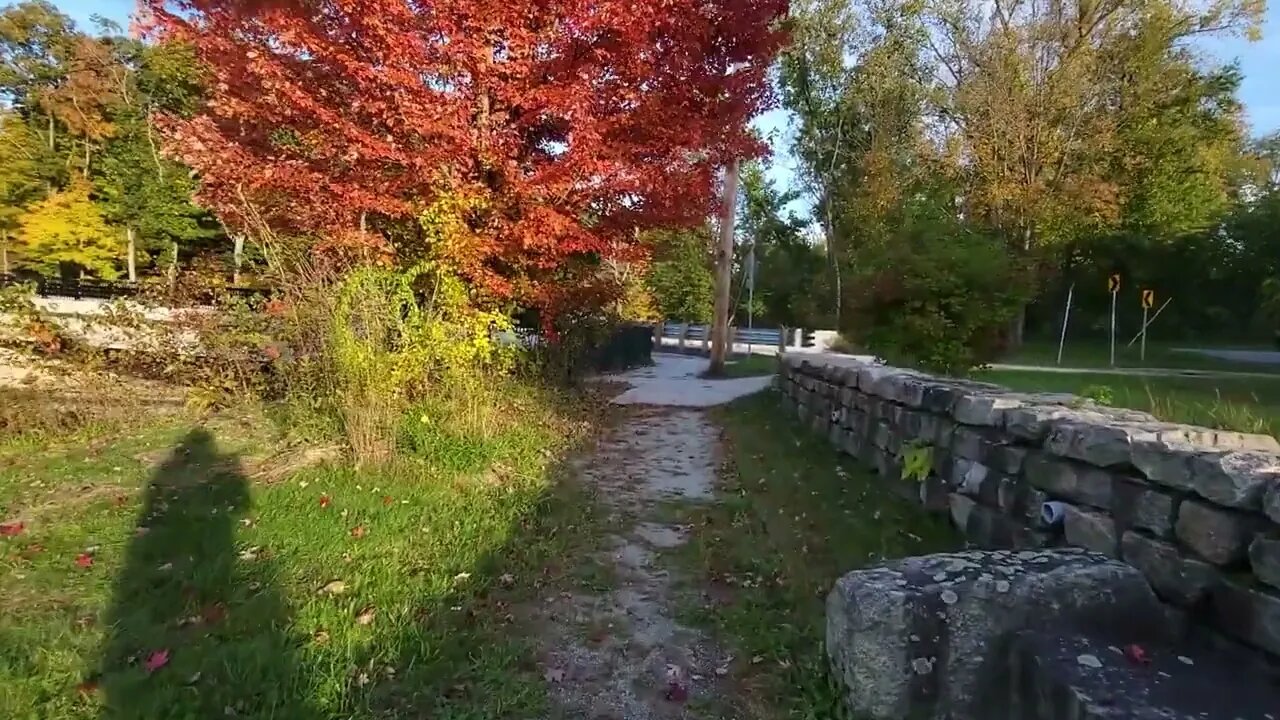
(1260,62)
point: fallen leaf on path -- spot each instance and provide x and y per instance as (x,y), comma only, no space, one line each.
(88,687)
(156,660)
(554,675)
(365,616)
(334,587)
(250,553)
(358,532)
(12,529)
(677,684)
(507,579)
(1137,654)
(324,501)
(84,560)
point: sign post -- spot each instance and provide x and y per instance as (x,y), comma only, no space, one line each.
(1148,300)
(1066,315)
(1113,286)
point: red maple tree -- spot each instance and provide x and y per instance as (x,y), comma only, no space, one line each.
(556,128)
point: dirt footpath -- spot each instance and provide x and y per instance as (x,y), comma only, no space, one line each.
(620,653)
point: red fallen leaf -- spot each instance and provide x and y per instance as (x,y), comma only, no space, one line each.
(156,660)
(12,529)
(84,560)
(88,687)
(677,686)
(387,499)
(1137,654)
(324,501)
(357,532)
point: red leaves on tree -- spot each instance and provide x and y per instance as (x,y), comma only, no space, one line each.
(561,127)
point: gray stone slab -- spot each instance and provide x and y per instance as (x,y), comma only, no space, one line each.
(927,637)
(1064,675)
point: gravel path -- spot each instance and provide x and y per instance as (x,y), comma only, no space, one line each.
(620,653)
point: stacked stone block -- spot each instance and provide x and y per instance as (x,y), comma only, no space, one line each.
(1196,510)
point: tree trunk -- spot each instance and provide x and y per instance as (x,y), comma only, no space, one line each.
(724,272)
(1018,328)
(1018,325)
(834,257)
(173,269)
(237,257)
(132,252)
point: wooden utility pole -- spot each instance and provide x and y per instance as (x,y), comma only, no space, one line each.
(724,272)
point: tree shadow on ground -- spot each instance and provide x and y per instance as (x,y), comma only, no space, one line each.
(195,623)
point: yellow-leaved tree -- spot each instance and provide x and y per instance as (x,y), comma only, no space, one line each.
(67,227)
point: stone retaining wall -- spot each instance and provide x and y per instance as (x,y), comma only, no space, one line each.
(1197,511)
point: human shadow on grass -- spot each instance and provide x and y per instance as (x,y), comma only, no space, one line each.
(195,627)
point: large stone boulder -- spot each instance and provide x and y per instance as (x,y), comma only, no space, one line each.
(929,636)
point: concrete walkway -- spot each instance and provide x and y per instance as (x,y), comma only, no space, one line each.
(673,381)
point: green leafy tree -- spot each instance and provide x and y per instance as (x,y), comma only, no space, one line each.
(680,277)
(147,195)
(20,155)
(792,283)
(68,228)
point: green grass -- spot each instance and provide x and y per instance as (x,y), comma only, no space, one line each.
(1229,403)
(194,554)
(751,366)
(794,515)
(1098,355)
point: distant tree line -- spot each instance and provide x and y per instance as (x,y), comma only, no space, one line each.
(85,187)
(969,160)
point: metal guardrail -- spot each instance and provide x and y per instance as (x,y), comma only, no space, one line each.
(773,337)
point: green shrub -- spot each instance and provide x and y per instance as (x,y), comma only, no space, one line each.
(1101,394)
(388,348)
(941,303)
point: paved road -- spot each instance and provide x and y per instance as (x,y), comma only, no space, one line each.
(1260,357)
(837,358)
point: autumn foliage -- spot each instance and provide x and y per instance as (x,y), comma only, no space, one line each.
(541,134)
